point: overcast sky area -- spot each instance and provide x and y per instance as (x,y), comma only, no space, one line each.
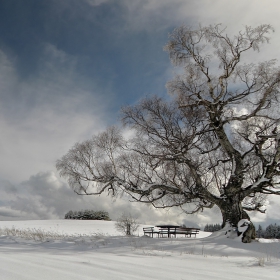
(68,66)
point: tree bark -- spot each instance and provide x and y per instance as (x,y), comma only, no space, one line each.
(232,212)
(249,234)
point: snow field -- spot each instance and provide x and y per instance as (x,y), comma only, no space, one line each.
(94,250)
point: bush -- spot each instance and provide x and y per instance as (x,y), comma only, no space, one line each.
(87,215)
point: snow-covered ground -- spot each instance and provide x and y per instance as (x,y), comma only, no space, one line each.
(94,250)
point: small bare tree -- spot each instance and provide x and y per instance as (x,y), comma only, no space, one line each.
(216,143)
(126,224)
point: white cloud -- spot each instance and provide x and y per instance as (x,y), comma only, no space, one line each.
(273,209)
(152,15)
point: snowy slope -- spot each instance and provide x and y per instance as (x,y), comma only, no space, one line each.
(94,250)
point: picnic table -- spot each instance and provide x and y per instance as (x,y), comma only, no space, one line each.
(167,229)
(170,230)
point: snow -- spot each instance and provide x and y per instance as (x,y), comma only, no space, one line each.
(94,250)
(261,180)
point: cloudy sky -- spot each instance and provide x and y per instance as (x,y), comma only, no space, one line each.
(66,68)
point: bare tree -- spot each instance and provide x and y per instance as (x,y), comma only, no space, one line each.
(215,143)
(126,224)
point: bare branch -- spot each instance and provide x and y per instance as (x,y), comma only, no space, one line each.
(215,143)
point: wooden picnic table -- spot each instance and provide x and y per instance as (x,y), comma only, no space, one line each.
(170,230)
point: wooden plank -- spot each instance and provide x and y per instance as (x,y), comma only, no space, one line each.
(150,231)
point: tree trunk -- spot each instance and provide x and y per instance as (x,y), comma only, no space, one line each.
(128,229)
(233,213)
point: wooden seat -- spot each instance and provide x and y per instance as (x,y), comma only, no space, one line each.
(187,231)
(150,231)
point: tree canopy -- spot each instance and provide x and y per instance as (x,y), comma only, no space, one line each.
(216,142)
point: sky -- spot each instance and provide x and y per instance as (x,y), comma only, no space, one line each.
(66,69)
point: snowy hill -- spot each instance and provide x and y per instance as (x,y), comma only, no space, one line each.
(73,249)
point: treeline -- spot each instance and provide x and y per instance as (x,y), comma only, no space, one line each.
(271,231)
(212,227)
(87,215)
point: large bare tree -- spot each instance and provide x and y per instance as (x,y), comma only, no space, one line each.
(216,142)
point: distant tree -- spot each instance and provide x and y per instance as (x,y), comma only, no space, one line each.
(75,215)
(269,231)
(272,231)
(260,232)
(87,215)
(212,227)
(126,224)
(68,215)
(216,142)
(278,232)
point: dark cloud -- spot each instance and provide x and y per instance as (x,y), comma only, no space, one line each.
(45,196)
(8,187)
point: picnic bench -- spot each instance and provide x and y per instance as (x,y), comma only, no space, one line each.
(187,231)
(170,230)
(150,231)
